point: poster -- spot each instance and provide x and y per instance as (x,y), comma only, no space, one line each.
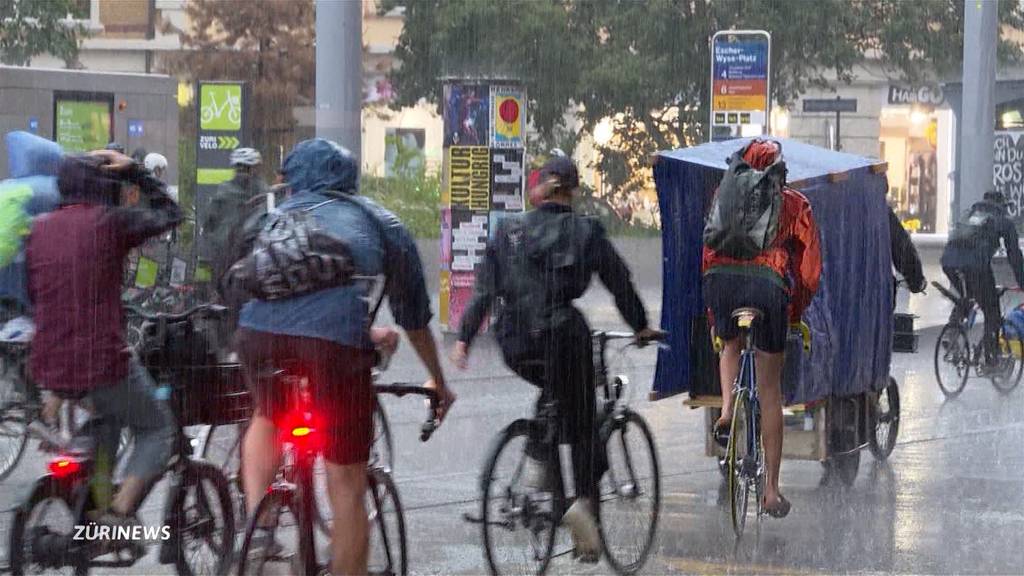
(446,239)
(740,91)
(466,114)
(1008,173)
(82,125)
(469,177)
(507,174)
(469,240)
(223,127)
(460,295)
(507,117)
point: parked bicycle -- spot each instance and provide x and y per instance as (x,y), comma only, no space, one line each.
(520,522)
(959,349)
(198,511)
(291,500)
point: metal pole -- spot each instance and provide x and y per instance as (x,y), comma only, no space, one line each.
(977,117)
(339,72)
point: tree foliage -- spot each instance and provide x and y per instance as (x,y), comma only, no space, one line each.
(646,64)
(28,29)
(268,44)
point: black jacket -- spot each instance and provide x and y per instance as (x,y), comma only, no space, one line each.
(904,255)
(537,264)
(976,252)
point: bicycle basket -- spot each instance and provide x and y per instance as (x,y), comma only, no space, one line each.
(211,394)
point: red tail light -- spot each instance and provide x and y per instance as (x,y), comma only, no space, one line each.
(302,428)
(63,466)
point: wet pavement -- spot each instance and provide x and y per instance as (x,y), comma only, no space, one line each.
(950,500)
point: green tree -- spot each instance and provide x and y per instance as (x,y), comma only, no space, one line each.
(646,64)
(30,28)
(268,44)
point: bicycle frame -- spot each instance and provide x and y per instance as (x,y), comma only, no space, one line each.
(747,382)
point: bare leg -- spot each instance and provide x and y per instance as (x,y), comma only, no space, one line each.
(128,496)
(350,540)
(769,388)
(728,370)
(260,459)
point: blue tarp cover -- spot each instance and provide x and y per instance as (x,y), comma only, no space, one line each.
(851,315)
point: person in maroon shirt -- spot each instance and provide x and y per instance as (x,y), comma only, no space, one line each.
(76,258)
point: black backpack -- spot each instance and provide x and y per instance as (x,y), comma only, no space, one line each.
(291,256)
(744,217)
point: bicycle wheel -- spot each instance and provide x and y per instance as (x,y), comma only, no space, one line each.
(519,522)
(885,421)
(736,455)
(205,521)
(14,418)
(387,526)
(47,516)
(223,449)
(262,552)
(952,360)
(630,494)
(1010,368)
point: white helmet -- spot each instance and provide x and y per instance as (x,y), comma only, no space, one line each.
(154,162)
(246,157)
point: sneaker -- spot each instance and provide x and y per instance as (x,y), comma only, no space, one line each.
(123,533)
(586,537)
(536,476)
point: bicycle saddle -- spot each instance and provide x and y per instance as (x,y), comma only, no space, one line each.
(745,317)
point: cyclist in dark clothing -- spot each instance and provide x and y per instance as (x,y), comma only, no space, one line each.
(904,255)
(535,267)
(967,260)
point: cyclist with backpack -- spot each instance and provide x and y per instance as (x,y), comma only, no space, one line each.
(314,270)
(967,261)
(761,250)
(535,267)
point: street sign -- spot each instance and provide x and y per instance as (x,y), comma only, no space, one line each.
(740,83)
(135,129)
(830,105)
(223,126)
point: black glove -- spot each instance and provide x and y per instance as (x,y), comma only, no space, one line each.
(918,286)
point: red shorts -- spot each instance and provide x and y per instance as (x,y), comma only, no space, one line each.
(341,382)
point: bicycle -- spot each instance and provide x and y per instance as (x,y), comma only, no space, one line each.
(627,488)
(744,453)
(197,512)
(292,493)
(955,354)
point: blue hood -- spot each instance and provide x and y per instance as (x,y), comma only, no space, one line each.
(30,155)
(320,165)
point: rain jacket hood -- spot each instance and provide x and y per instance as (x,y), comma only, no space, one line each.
(319,165)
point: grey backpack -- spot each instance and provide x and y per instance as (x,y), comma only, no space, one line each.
(744,217)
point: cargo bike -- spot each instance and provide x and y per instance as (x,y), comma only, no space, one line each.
(839,397)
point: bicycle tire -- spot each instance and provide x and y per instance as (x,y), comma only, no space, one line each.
(952,334)
(45,489)
(612,552)
(388,552)
(14,437)
(273,502)
(196,474)
(229,460)
(739,487)
(1006,382)
(520,429)
(881,448)
(306,504)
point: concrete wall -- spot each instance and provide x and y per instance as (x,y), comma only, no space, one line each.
(27,92)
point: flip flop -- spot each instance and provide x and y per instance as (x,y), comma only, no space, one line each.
(781,510)
(720,432)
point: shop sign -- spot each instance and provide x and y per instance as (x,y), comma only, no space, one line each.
(740,61)
(929,96)
(1008,172)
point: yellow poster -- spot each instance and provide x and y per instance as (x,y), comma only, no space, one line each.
(446,289)
(469,177)
(508,107)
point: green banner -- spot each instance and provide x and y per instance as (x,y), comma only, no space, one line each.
(82,126)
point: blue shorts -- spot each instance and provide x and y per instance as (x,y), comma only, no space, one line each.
(725,292)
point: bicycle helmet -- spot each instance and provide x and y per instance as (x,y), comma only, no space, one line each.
(246,157)
(154,162)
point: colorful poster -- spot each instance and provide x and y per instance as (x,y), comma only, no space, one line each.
(466,114)
(740,91)
(469,239)
(446,238)
(469,177)
(508,117)
(83,125)
(460,295)
(507,179)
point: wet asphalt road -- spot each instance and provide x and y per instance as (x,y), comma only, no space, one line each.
(950,500)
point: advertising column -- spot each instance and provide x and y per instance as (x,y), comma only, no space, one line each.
(483,180)
(223,126)
(740,84)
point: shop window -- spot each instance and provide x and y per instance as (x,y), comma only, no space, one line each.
(1010,115)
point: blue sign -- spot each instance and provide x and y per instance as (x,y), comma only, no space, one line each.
(745,60)
(135,128)
(33,124)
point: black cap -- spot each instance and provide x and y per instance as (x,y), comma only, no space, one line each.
(996,197)
(562,168)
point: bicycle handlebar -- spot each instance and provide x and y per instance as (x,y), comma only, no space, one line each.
(657,336)
(400,389)
(215,310)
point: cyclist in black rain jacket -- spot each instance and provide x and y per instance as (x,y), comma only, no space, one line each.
(537,264)
(967,259)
